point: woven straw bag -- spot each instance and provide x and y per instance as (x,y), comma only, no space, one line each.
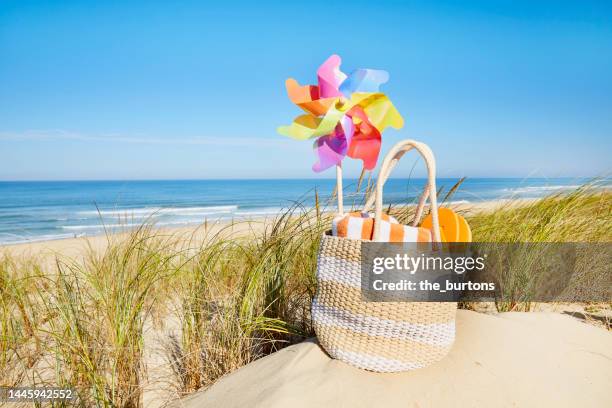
(379,336)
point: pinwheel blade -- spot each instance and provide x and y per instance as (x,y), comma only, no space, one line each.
(366,142)
(366,149)
(330,77)
(330,149)
(308,126)
(363,80)
(379,110)
(307,98)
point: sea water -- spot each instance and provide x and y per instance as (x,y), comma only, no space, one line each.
(44,210)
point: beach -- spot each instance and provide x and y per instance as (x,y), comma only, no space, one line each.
(213,204)
(194,235)
(207,307)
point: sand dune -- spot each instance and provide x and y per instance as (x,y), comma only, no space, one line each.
(506,360)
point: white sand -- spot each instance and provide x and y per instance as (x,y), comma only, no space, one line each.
(507,360)
(77,248)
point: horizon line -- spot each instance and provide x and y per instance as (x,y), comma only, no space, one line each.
(286,178)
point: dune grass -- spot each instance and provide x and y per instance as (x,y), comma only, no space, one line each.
(233,297)
(580,216)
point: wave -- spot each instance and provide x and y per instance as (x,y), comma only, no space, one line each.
(130,225)
(145,211)
(98,226)
(540,189)
(38,238)
(355,194)
(258,212)
(262,212)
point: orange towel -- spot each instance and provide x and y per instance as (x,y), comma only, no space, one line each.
(359,225)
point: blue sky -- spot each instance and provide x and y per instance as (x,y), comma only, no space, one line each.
(140,90)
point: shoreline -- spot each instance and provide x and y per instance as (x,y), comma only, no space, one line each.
(28,225)
(195,233)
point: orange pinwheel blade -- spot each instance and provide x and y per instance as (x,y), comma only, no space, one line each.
(307,97)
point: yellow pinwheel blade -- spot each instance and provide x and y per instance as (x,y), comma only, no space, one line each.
(309,126)
(379,110)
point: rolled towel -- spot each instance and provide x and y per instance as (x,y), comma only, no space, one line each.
(360,225)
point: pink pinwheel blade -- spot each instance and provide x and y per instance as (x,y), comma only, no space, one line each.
(348,128)
(330,77)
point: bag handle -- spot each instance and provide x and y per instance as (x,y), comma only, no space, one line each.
(389,163)
(422,198)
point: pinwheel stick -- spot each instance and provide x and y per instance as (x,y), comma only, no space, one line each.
(339,189)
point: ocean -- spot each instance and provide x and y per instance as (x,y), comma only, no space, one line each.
(45,210)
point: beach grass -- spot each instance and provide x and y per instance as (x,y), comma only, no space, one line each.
(233,298)
(580,216)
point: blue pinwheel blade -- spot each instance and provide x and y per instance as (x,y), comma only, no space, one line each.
(363,80)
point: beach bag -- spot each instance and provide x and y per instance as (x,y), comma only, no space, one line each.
(379,336)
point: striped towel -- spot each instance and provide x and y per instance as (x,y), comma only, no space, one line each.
(360,225)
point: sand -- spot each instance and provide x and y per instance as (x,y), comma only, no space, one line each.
(514,359)
(505,360)
(75,248)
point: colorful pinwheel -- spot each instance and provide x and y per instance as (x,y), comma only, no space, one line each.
(346,113)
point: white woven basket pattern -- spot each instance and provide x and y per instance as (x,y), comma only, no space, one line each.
(376,336)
